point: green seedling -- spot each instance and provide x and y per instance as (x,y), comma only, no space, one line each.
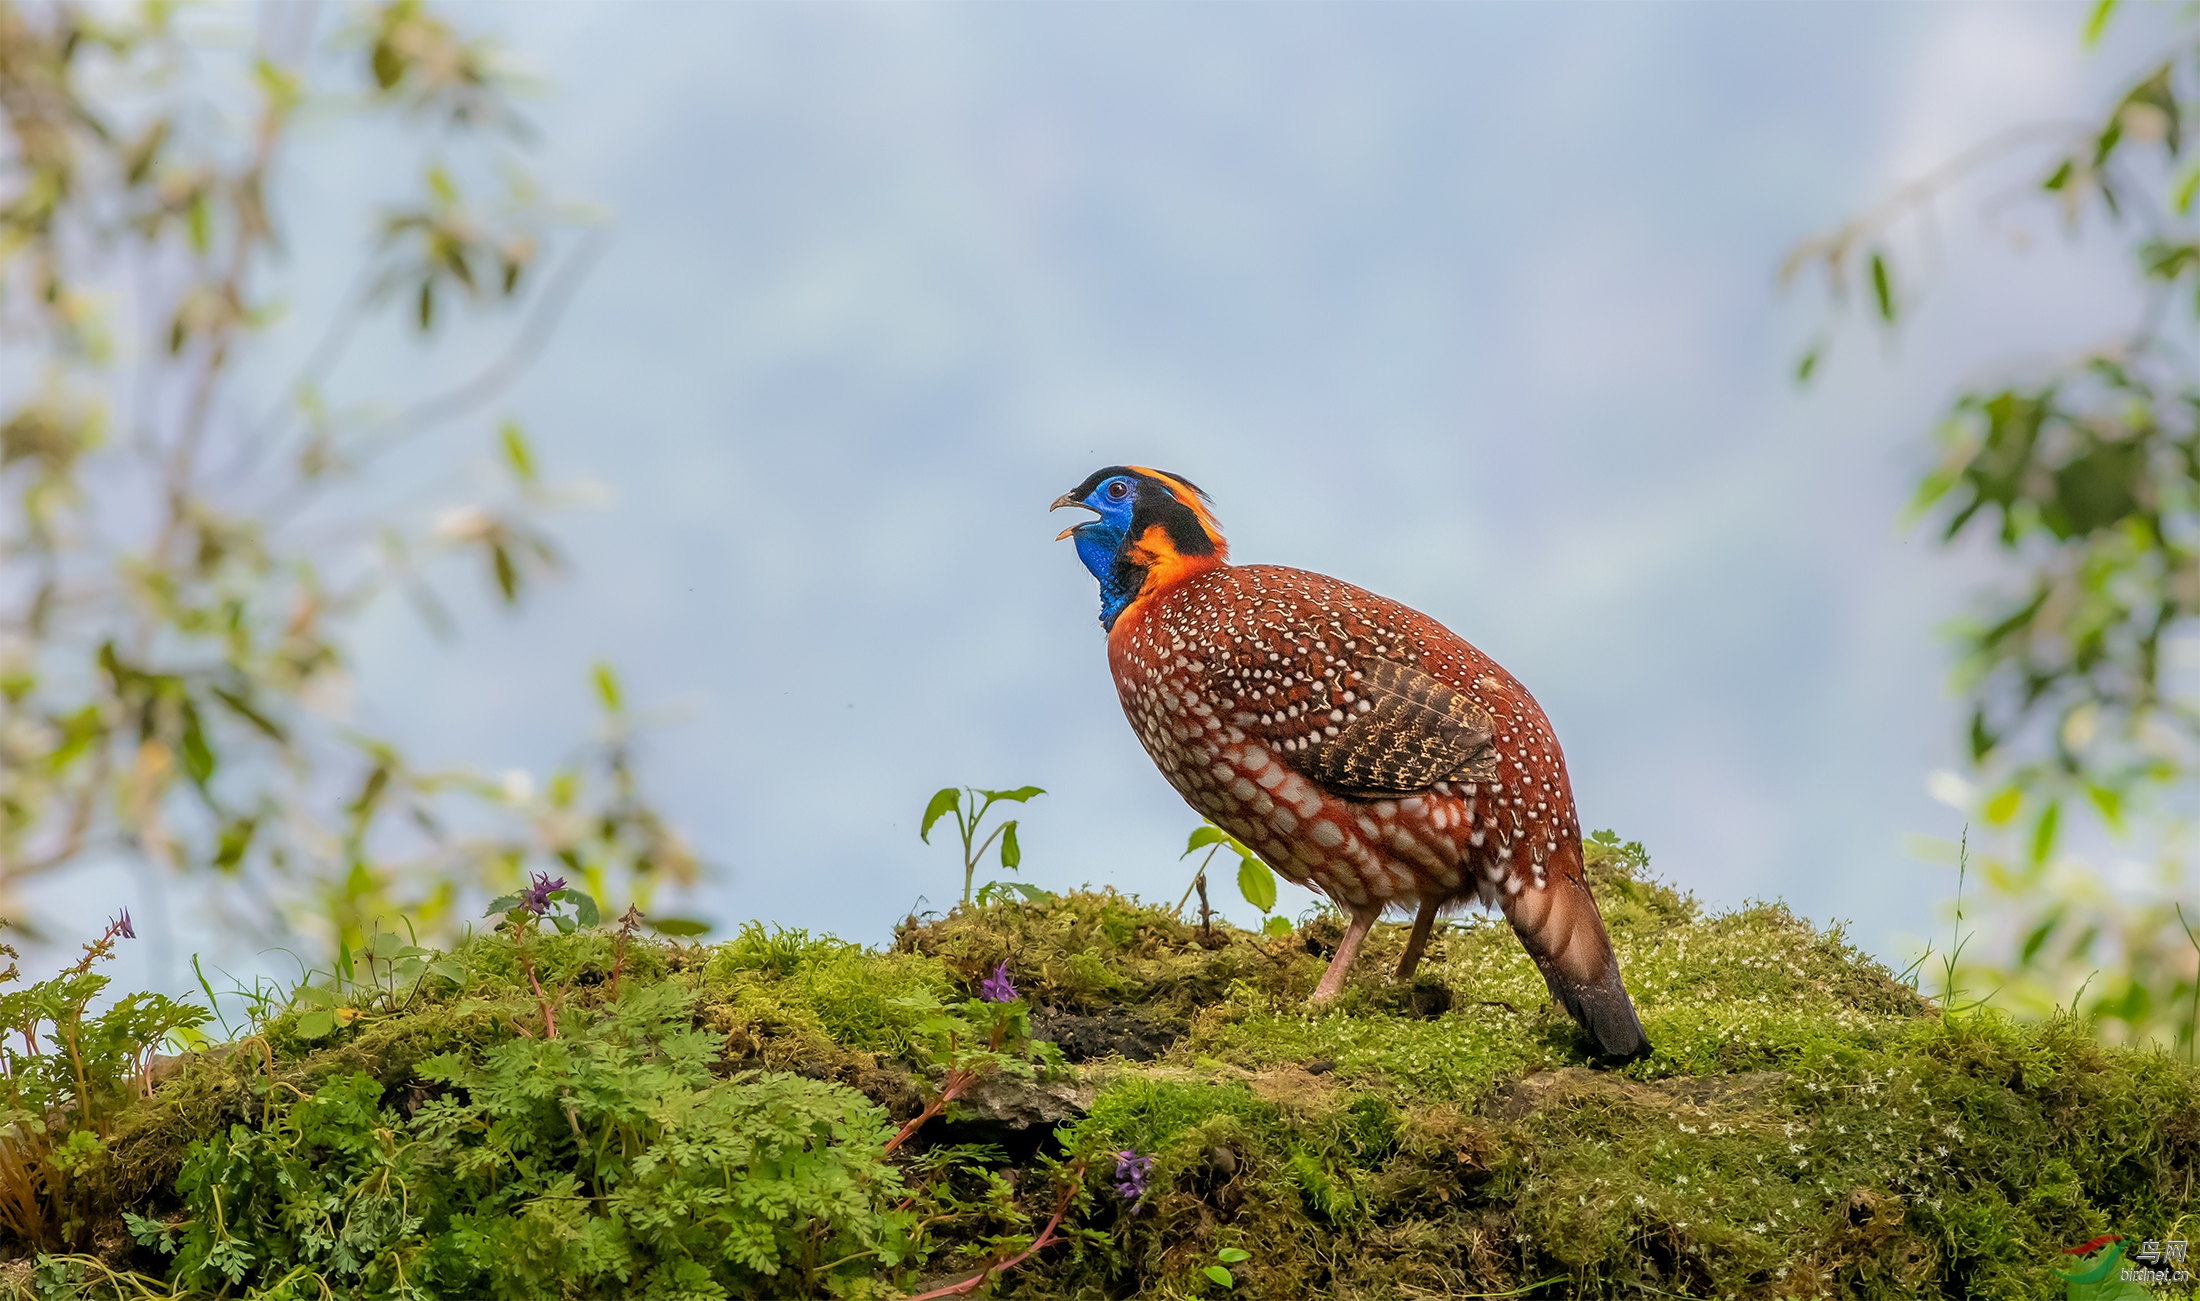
(1255,880)
(1220,1274)
(969,805)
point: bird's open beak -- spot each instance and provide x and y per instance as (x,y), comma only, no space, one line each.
(1069,499)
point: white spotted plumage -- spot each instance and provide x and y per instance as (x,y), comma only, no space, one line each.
(1259,667)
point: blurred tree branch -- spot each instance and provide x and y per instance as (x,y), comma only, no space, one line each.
(173,607)
(2084,475)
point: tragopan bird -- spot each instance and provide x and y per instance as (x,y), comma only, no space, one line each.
(1358,746)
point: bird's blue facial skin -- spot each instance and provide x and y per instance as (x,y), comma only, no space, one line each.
(1100,542)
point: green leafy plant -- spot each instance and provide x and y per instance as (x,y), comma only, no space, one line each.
(395,969)
(2080,474)
(611,1159)
(547,899)
(2192,1019)
(1071,1182)
(698,1127)
(1256,881)
(969,805)
(67,1074)
(1219,1273)
(1951,959)
(991,1032)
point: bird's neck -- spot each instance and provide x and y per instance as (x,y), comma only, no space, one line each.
(1144,569)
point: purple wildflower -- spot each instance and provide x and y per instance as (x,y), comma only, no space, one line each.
(1131,1171)
(996,987)
(537,899)
(123,925)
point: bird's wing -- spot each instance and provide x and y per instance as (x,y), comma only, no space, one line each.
(1418,732)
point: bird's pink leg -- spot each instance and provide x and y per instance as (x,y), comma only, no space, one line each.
(1418,941)
(1347,948)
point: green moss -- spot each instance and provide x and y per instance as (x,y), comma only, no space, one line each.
(1807,1124)
(787,993)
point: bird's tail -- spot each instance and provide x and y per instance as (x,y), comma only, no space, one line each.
(1562,930)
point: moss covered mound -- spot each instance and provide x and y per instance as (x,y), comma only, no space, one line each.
(717,1121)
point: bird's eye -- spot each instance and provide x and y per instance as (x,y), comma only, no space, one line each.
(1118,490)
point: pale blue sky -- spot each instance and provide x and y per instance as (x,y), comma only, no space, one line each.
(1470,305)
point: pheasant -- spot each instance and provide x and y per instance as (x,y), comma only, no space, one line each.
(1358,746)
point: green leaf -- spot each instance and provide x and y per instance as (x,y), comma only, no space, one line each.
(1276,926)
(1882,288)
(1982,740)
(384,946)
(316,1024)
(2037,940)
(1202,837)
(279,85)
(150,1233)
(607,687)
(2003,807)
(236,839)
(677,927)
(243,708)
(1220,1275)
(1930,489)
(1012,856)
(584,907)
(198,757)
(1807,366)
(370,792)
(1232,1255)
(450,969)
(503,903)
(1017,796)
(388,67)
(1256,883)
(2186,185)
(943,803)
(517,455)
(507,573)
(2110,803)
(2097,21)
(199,221)
(2043,833)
